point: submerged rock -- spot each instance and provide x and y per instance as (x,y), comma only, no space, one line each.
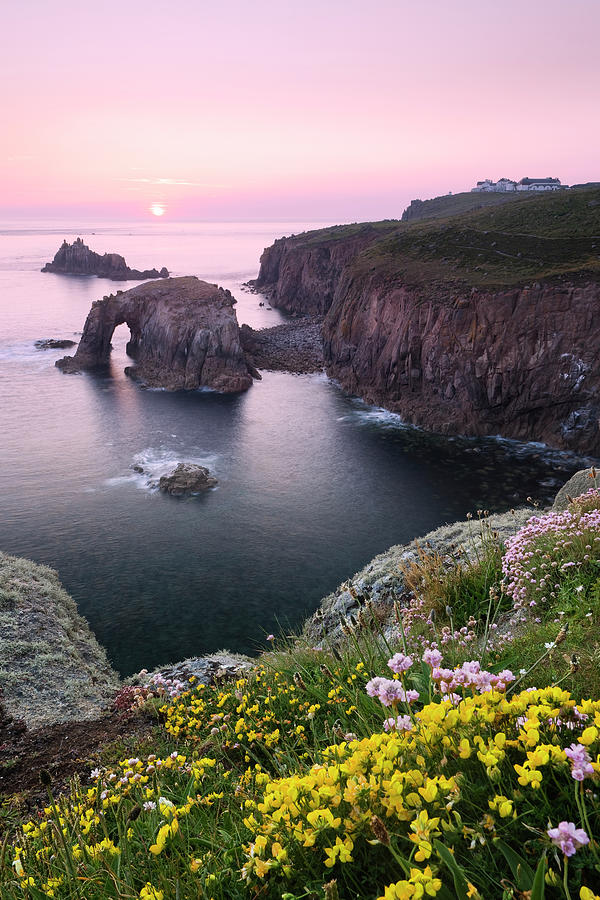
(78,259)
(54,344)
(187,478)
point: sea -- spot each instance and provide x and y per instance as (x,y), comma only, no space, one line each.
(312,482)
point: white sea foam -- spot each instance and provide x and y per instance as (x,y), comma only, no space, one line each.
(363,414)
(156,462)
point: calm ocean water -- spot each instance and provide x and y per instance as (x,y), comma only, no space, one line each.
(312,483)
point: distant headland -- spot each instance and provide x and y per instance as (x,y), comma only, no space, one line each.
(78,259)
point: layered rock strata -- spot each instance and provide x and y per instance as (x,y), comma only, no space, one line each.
(78,259)
(302,275)
(184,335)
(518,361)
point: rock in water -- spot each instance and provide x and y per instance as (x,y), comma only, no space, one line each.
(187,478)
(54,344)
(184,335)
(78,259)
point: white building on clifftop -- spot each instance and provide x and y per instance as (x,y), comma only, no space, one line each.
(525,184)
(539,184)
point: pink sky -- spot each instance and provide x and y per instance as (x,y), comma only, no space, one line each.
(323,109)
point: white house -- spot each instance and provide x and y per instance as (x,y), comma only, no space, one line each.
(525,184)
(504,184)
(539,184)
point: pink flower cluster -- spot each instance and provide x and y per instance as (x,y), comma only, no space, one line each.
(544,549)
(400,663)
(171,686)
(581,761)
(390,692)
(470,675)
(400,723)
(568,838)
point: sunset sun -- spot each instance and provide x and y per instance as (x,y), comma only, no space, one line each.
(157,209)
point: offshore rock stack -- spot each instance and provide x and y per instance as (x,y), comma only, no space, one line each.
(78,259)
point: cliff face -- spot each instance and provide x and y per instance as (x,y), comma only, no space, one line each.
(184,335)
(484,324)
(78,259)
(522,363)
(300,276)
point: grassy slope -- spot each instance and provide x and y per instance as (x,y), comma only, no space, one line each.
(528,239)
(458,204)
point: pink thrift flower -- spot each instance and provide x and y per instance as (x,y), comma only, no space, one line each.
(568,838)
(400,663)
(432,657)
(400,723)
(580,762)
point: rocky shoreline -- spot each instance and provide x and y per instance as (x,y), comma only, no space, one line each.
(83,684)
(295,346)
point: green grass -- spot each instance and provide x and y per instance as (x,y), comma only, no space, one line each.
(505,243)
(282,782)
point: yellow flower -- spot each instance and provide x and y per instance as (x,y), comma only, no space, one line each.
(586,894)
(588,736)
(149,892)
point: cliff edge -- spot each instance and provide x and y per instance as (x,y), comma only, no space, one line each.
(52,669)
(482,324)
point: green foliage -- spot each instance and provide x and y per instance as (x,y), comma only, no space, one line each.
(282,783)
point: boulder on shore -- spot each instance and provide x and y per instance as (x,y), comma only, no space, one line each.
(78,259)
(187,478)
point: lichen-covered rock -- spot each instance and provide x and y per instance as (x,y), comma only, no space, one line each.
(78,259)
(579,483)
(184,335)
(187,478)
(52,669)
(382,582)
(203,669)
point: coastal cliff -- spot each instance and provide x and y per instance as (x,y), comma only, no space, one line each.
(484,324)
(78,259)
(301,274)
(184,335)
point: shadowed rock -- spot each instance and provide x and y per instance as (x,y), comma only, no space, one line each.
(78,259)
(54,344)
(184,335)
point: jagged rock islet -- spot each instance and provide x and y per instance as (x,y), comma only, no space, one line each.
(78,259)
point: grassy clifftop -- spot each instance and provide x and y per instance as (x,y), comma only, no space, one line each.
(502,244)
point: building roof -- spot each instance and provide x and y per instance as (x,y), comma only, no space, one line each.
(539,181)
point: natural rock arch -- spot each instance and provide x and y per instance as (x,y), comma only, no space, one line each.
(184,335)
